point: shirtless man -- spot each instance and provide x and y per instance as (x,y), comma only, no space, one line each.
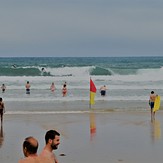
(30,147)
(2,109)
(151,103)
(103,90)
(3,87)
(52,139)
(27,87)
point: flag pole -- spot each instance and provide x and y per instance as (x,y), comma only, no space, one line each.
(89,94)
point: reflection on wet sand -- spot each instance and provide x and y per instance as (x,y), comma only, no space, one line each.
(92,125)
(155,130)
(1,136)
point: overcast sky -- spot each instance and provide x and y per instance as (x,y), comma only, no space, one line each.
(81,28)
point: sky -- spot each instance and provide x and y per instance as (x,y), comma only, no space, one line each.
(89,28)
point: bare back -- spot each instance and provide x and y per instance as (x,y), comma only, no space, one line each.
(27,86)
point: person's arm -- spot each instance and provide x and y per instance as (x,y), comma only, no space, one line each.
(149,102)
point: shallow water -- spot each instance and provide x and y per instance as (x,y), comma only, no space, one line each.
(131,78)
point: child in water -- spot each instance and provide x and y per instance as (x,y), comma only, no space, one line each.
(52,87)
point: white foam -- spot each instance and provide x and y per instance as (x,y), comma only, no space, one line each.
(68,71)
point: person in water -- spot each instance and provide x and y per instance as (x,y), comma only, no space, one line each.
(64,89)
(27,87)
(52,87)
(3,87)
(103,90)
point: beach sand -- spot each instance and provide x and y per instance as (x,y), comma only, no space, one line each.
(106,137)
(76,105)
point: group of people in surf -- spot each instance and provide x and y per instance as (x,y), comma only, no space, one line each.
(52,88)
(64,88)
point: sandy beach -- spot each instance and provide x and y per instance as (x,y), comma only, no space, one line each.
(88,137)
(57,106)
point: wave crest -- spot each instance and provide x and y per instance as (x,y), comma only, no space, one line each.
(100,71)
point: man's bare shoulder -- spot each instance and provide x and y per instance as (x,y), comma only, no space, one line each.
(38,159)
(26,160)
(42,159)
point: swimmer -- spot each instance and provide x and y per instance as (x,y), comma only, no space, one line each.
(103,90)
(27,87)
(3,87)
(52,87)
(64,89)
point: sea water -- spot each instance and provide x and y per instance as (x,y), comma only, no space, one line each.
(126,78)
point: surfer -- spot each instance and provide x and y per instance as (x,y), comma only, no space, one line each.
(151,103)
(14,66)
(43,69)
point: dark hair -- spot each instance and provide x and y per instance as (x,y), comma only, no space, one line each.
(152,92)
(51,135)
(0,98)
(32,149)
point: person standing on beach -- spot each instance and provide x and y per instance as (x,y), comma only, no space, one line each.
(64,89)
(52,140)
(52,87)
(3,87)
(151,103)
(30,146)
(2,109)
(103,90)
(27,87)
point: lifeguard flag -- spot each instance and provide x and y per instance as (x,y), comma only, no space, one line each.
(92,92)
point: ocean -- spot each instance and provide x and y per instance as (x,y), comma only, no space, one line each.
(128,79)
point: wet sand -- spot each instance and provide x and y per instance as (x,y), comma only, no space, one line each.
(101,105)
(106,137)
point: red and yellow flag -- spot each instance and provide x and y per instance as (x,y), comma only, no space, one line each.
(92,92)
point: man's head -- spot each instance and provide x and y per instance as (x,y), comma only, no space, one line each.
(30,146)
(152,92)
(52,138)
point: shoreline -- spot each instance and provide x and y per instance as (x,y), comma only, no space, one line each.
(52,106)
